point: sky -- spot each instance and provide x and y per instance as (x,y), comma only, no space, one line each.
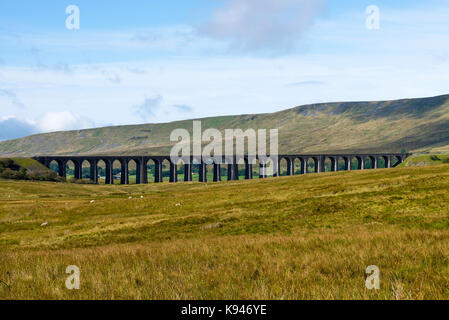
(144,61)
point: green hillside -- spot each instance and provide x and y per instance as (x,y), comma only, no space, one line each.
(386,126)
(425,160)
(26,169)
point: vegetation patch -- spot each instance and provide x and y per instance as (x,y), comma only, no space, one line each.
(426,160)
(26,169)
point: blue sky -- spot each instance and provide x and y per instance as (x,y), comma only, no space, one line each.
(157,61)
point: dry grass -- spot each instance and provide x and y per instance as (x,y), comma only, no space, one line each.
(307,237)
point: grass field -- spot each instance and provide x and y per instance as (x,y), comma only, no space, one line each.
(302,237)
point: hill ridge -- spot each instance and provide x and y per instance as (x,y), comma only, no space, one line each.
(420,124)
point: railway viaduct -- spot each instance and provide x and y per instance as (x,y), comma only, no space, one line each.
(295,163)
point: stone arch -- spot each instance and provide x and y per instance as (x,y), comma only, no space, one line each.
(285,166)
(85,169)
(357,163)
(369,162)
(150,165)
(380,162)
(116,170)
(133,167)
(330,164)
(195,170)
(70,169)
(53,165)
(102,169)
(298,165)
(165,168)
(58,166)
(327,164)
(312,165)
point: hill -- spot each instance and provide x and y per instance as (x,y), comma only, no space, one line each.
(301,237)
(425,160)
(386,126)
(26,169)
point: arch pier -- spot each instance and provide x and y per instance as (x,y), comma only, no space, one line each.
(305,164)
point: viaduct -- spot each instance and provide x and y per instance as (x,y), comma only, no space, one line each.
(390,160)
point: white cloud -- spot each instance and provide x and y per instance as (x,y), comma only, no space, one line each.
(61,121)
(13,127)
(266,25)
